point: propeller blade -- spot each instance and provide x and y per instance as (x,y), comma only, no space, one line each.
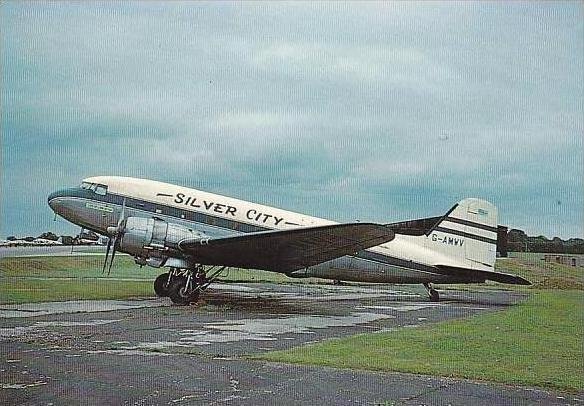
(113,255)
(109,245)
(117,234)
(122,215)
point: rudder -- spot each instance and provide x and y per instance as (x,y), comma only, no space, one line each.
(468,233)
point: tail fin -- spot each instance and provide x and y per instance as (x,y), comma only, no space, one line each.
(467,233)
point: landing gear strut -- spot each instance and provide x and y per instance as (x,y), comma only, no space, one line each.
(183,286)
(432,293)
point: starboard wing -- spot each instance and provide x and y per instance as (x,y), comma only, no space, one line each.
(287,250)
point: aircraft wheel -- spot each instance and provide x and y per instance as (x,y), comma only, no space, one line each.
(179,294)
(434,296)
(160,285)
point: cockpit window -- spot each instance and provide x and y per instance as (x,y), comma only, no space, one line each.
(101,189)
(94,187)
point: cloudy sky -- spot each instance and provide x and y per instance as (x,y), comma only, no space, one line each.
(369,111)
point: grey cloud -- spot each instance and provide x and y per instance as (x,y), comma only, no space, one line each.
(328,108)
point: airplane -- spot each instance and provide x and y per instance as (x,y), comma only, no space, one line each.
(197,235)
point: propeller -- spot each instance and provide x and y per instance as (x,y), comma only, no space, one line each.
(78,239)
(109,245)
(115,232)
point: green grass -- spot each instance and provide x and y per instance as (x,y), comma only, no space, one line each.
(543,275)
(41,279)
(17,290)
(27,279)
(90,266)
(86,266)
(538,342)
(54,278)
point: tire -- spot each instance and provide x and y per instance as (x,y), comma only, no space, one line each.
(177,294)
(160,285)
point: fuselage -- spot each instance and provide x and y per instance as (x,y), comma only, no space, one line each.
(97,204)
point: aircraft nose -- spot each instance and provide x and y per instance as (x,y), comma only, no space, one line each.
(55,200)
(52,196)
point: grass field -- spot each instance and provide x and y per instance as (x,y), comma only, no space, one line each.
(538,342)
(55,289)
(53,278)
(34,279)
(543,275)
(82,266)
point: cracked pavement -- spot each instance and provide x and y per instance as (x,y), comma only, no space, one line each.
(142,352)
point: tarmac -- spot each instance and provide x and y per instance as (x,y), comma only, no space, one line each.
(146,351)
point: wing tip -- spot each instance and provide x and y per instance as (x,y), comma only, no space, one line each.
(522,281)
(509,279)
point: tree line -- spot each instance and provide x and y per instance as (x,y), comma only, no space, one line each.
(518,241)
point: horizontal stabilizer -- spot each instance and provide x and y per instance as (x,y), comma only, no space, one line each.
(415,227)
(287,250)
(472,274)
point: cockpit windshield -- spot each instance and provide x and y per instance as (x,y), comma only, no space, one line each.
(94,187)
(101,189)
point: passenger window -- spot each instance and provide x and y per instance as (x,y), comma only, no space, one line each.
(101,189)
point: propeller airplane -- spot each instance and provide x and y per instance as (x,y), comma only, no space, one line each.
(197,235)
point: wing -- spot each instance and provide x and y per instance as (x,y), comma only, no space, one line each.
(287,250)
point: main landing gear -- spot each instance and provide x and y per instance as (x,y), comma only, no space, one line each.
(183,286)
(432,293)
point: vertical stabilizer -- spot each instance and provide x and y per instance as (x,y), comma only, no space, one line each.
(467,233)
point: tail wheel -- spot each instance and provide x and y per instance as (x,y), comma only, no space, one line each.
(434,296)
(432,293)
(180,294)
(161,285)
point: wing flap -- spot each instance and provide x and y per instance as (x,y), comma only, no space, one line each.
(287,250)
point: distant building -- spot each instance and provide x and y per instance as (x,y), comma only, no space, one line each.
(570,260)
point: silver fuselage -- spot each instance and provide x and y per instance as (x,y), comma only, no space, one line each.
(404,260)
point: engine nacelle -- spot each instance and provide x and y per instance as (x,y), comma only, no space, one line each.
(152,237)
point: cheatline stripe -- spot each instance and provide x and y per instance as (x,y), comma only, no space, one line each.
(167,210)
(467,235)
(471,224)
(236,225)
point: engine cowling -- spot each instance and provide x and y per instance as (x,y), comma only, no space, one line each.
(146,237)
